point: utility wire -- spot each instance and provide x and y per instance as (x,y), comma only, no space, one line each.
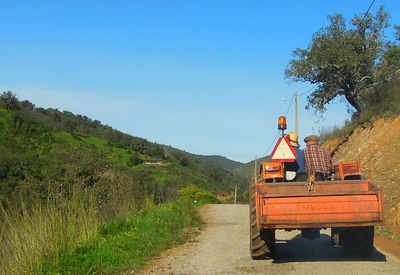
(351,37)
(290,104)
(309,90)
(365,15)
(272,143)
(277,134)
(362,20)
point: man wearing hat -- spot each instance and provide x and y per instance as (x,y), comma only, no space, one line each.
(317,161)
(296,167)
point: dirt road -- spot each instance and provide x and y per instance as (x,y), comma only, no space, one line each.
(222,248)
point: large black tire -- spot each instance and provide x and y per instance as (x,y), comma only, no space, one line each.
(268,236)
(358,241)
(262,242)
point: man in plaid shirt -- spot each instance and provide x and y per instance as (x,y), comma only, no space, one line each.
(317,161)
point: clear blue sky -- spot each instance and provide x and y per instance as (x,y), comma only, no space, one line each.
(203,76)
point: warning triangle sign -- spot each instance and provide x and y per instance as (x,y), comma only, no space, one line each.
(283,151)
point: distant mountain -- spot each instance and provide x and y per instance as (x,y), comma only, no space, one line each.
(243,171)
(246,170)
(220,161)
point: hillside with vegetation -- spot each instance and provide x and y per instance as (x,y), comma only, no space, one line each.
(48,148)
(220,161)
(247,169)
(63,175)
(372,138)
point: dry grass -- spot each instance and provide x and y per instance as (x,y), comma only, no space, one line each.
(44,230)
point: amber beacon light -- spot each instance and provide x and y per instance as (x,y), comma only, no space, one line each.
(282,123)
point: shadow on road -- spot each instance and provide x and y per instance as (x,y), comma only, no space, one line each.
(299,249)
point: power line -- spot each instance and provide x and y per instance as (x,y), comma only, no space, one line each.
(362,20)
(290,104)
(272,143)
(351,37)
(365,15)
(312,88)
(309,90)
(276,136)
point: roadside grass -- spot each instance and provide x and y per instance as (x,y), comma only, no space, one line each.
(128,243)
(70,236)
(31,234)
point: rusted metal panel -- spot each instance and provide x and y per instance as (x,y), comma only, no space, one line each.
(321,188)
(319,225)
(352,203)
(347,168)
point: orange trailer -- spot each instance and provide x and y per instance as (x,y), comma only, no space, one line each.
(350,207)
(331,204)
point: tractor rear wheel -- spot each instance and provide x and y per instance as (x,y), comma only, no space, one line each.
(262,242)
(358,241)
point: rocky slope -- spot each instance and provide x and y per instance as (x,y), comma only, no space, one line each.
(377,148)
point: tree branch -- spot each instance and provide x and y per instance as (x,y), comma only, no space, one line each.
(364,77)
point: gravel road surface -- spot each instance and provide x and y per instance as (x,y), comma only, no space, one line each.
(222,248)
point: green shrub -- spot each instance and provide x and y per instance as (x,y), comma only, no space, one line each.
(134,160)
(195,194)
(9,100)
(338,132)
(382,101)
(128,243)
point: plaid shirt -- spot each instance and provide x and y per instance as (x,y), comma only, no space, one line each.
(316,159)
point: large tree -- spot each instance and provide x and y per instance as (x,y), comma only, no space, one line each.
(344,60)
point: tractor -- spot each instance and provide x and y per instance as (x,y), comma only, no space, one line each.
(348,203)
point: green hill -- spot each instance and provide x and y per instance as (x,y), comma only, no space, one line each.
(46,151)
(247,169)
(219,161)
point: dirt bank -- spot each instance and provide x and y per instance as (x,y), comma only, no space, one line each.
(377,148)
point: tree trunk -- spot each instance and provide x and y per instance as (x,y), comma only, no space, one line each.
(349,95)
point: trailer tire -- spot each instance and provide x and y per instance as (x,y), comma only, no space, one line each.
(358,241)
(262,242)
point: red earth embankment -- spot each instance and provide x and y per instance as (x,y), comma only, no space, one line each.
(377,148)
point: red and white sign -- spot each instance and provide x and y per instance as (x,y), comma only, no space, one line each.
(283,151)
